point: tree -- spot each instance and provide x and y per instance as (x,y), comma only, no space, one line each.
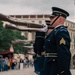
(6,38)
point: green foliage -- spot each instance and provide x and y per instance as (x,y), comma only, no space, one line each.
(6,38)
(19,49)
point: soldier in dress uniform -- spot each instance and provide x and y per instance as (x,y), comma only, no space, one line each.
(57,45)
(43,52)
(38,49)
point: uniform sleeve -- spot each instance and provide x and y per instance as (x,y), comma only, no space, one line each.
(39,42)
(35,48)
(63,51)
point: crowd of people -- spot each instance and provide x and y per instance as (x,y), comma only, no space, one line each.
(12,64)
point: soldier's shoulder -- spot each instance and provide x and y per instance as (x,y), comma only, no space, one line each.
(62,29)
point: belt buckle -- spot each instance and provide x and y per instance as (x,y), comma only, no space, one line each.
(50,55)
(44,53)
(47,54)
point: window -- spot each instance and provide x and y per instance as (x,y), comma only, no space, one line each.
(25,16)
(11,15)
(18,16)
(32,16)
(33,21)
(46,16)
(40,22)
(39,16)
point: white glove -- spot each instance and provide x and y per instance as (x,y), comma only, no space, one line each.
(43,29)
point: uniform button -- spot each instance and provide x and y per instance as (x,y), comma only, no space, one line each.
(48,40)
(53,59)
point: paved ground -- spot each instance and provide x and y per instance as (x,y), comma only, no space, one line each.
(26,71)
(73,71)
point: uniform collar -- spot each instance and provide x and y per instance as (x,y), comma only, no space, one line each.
(58,26)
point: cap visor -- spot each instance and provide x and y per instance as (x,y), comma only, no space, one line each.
(51,16)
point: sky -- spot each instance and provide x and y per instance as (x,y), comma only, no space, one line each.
(28,7)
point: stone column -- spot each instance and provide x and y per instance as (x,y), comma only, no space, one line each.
(29,36)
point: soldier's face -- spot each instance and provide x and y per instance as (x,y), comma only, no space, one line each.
(52,20)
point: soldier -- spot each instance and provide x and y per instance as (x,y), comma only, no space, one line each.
(38,49)
(42,53)
(57,45)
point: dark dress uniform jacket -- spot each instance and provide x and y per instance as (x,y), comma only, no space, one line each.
(39,42)
(58,41)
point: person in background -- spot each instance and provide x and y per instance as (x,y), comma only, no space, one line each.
(12,63)
(21,63)
(9,64)
(28,62)
(6,64)
(1,63)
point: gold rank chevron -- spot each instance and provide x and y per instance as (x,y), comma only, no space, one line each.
(62,41)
